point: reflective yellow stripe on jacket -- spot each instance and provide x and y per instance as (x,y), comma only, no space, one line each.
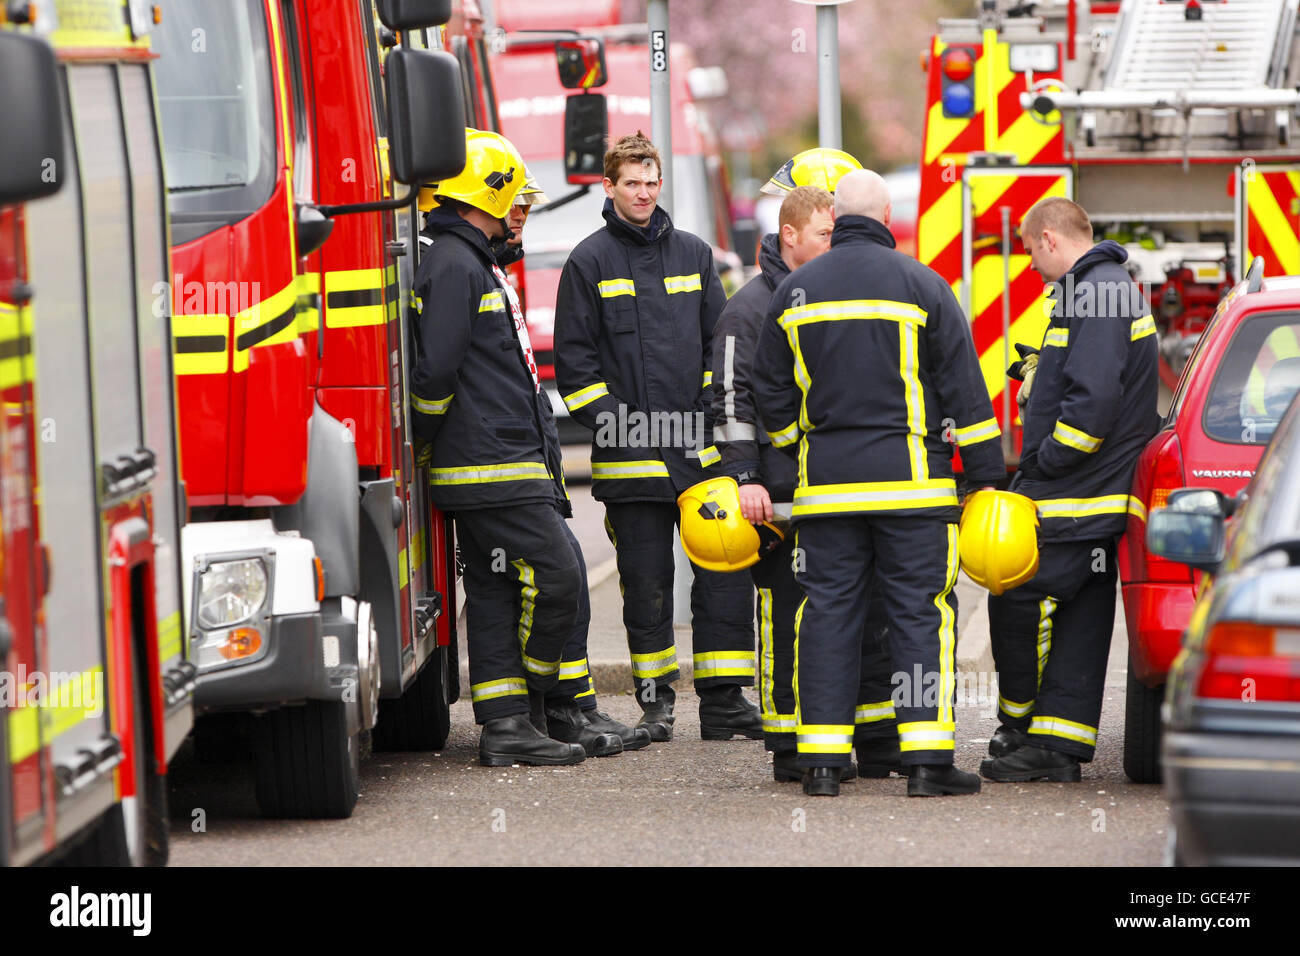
(874,496)
(605,470)
(484,474)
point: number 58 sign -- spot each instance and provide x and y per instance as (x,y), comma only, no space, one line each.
(658,51)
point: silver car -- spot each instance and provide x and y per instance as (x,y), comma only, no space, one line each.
(1232,711)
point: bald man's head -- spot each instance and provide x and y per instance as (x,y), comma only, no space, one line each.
(862,193)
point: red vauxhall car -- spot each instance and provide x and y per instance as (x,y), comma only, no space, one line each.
(1232,393)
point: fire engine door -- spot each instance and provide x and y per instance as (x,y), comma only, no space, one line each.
(1003,297)
(1268,218)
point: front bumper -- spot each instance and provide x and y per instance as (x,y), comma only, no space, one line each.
(292,669)
(1234,799)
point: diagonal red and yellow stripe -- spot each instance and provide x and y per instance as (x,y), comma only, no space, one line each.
(1273,219)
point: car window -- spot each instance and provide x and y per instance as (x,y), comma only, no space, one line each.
(1273,511)
(1256,380)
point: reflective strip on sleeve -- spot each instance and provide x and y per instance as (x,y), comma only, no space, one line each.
(708,379)
(871,713)
(492,302)
(585,396)
(710,456)
(1065,729)
(1056,338)
(690,283)
(980,431)
(786,436)
(1012,709)
(655,664)
(438,407)
(735,431)
(610,288)
(874,496)
(1075,438)
(606,470)
(1137,509)
(484,474)
(824,738)
(724,664)
(1083,507)
(1141,328)
(489,690)
(926,735)
(853,309)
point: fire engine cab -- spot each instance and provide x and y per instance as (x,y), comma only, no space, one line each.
(1172,123)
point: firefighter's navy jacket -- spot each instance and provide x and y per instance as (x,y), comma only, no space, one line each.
(742,443)
(634,319)
(866,362)
(493,433)
(1092,408)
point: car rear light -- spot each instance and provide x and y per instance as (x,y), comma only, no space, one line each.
(1251,662)
(1166,476)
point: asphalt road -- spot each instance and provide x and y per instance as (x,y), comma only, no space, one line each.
(688,802)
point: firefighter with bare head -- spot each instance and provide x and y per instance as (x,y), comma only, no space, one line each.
(634,330)
(1089,408)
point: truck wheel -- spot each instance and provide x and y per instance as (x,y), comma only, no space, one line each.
(305,764)
(421,718)
(1142,731)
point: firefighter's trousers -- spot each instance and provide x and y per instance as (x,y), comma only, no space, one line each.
(522,585)
(722,605)
(778,602)
(914,562)
(575,674)
(1051,639)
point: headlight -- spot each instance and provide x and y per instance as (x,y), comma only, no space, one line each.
(230,592)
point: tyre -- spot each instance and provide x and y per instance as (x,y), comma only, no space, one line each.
(421,718)
(1142,731)
(305,764)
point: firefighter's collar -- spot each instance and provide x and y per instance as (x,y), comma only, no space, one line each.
(657,228)
(859,229)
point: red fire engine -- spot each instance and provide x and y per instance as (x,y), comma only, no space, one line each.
(319,582)
(1168,121)
(95,689)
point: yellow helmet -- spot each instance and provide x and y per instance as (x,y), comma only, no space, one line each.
(531,193)
(715,535)
(492,177)
(822,167)
(998,539)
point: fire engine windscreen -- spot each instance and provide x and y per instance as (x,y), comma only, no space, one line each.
(214,90)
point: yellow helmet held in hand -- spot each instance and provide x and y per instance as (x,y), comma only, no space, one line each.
(715,535)
(493,175)
(821,167)
(998,539)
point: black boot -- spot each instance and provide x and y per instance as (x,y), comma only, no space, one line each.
(1006,740)
(537,711)
(879,757)
(634,738)
(725,713)
(785,769)
(1032,762)
(565,721)
(940,780)
(822,781)
(657,715)
(510,740)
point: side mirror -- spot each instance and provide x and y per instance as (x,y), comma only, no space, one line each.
(581,63)
(426,116)
(31,115)
(413,14)
(311,229)
(1191,538)
(586,126)
(1201,501)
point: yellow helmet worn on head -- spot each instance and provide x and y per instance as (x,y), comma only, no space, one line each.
(821,167)
(492,177)
(715,535)
(998,539)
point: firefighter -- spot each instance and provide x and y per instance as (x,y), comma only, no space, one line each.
(634,318)
(485,427)
(765,474)
(572,703)
(865,361)
(1089,410)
